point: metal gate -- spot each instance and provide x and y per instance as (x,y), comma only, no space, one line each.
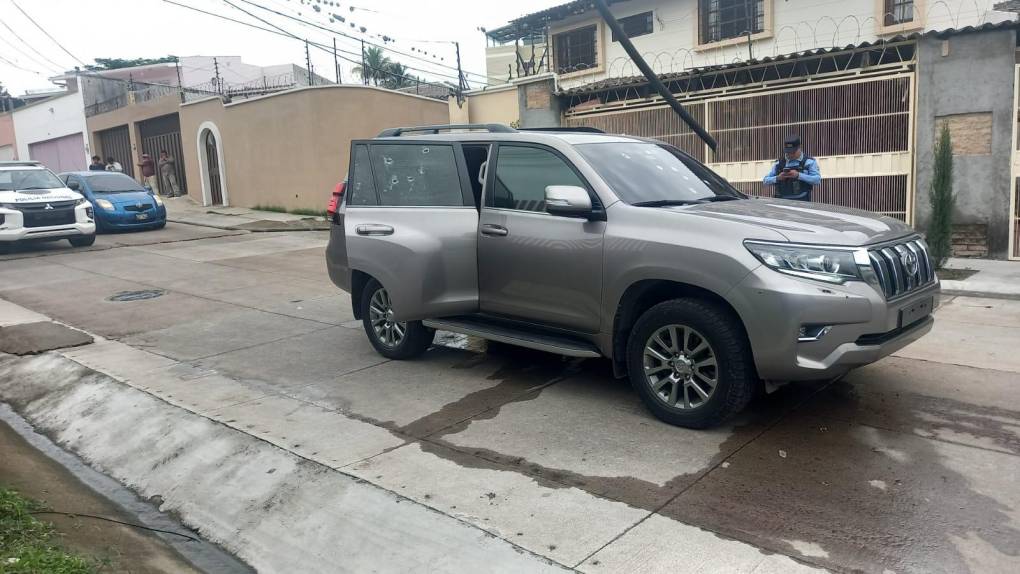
(1014,197)
(116,143)
(164,133)
(212,162)
(860,128)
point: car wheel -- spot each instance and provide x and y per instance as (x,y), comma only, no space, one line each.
(6,247)
(392,339)
(83,241)
(160,225)
(691,363)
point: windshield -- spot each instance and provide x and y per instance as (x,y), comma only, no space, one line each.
(112,183)
(17,179)
(643,173)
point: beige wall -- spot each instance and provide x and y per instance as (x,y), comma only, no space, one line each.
(498,106)
(130,115)
(290,149)
(7,135)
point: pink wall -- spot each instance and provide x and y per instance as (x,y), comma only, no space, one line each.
(7,132)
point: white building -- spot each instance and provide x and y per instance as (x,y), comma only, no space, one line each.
(52,130)
(677,35)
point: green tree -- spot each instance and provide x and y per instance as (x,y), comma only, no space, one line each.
(376,66)
(940,227)
(115,63)
(397,77)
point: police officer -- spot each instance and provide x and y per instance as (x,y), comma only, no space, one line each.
(794,174)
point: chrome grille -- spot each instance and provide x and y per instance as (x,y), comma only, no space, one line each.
(894,276)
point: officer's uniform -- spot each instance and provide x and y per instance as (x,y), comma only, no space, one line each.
(809,174)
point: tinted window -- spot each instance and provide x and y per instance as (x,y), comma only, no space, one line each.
(640,172)
(417,175)
(362,190)
(522,174)
(28,179)
(636,25)
(113,183)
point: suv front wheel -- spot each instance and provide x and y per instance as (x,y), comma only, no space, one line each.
(392,339)
(690,362)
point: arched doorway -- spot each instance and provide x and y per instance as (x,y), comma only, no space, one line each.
(212,160)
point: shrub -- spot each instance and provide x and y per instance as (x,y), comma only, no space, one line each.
(940,227)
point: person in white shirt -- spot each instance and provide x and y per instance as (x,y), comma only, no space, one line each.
(113,165)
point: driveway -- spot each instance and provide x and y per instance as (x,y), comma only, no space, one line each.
(909,465)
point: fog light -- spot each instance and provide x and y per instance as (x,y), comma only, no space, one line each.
(812,332)
(90,213)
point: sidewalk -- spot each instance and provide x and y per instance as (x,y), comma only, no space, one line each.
(994,278)
(185,210)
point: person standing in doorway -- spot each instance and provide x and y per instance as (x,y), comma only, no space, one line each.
(97,164)
(113,165)
(148,168)
(794,174)
(168,174)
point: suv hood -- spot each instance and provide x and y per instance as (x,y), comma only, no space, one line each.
(39,195)
(803,222)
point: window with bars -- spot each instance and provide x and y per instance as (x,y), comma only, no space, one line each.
(724,19)
(636,25)
(898,12)
(576,49)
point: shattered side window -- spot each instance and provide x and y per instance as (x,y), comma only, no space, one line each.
(362,185)
(419,175)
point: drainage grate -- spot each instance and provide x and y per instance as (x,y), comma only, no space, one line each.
(137,295)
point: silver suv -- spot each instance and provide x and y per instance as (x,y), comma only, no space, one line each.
(594,245)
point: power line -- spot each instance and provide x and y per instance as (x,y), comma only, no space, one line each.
(25,54)
(380,46)
(12,64)
(15,34)
(43,30)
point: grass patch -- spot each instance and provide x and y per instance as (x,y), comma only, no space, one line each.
(29,545)
(273,208)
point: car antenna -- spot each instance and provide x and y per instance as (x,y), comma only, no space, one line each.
(652,78)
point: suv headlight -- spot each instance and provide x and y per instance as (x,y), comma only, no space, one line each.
(831,265)
(105,204)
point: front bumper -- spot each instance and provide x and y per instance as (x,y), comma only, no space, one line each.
(129,219)
(12,228)
(864,326)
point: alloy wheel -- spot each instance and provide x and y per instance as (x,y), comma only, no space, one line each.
(680,367)
(380,312)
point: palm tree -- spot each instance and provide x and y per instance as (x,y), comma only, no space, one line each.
(397,76)
(376,66)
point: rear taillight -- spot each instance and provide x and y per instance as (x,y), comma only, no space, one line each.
(334,201)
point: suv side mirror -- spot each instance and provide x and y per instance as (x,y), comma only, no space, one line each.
(567,200)
(73,186)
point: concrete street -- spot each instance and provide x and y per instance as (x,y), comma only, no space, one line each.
(242,393)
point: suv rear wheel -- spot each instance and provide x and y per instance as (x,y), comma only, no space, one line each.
(690,363)
(392,339)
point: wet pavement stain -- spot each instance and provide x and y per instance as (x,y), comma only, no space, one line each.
(35,338)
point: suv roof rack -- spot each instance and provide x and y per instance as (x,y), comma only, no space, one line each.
(491,128)
(575,129)
(12,163)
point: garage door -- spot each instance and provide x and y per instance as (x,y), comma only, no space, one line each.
(60,154)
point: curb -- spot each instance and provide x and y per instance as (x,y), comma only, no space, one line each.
(981,294)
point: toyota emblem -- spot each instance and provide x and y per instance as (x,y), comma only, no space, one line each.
(909,261)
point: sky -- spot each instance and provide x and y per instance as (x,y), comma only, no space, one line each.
(88,29)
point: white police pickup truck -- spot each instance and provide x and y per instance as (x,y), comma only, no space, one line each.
(35,204)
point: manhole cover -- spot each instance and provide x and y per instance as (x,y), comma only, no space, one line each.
(137,295)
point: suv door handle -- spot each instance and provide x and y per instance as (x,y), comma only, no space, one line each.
(494,230)
(374,229)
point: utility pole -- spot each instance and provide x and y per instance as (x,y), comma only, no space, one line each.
(216,70)
(180,84)
(461,84)
(336,62)
(364,67)
(308,63)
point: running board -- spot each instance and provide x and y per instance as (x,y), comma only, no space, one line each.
(547,342)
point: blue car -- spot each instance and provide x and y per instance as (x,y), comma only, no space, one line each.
(120,202)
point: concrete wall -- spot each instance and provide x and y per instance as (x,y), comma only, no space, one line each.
(291,148)
(981,180)
(131,116)
(789,27)
(8,143)
(495,105)
(50,119)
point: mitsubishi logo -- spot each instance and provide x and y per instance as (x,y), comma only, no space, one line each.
(909,261)
(48,206)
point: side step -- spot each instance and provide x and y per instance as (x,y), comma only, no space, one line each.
(506,333)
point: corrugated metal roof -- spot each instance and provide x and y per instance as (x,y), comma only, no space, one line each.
(529,23)
(631,81)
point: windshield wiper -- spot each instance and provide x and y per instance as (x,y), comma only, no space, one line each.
(32,188)
(715,198)
(666,202)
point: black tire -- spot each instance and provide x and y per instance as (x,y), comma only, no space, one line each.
(6,247)
(734,372)
(83,241)
(160,225)
(417,337)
